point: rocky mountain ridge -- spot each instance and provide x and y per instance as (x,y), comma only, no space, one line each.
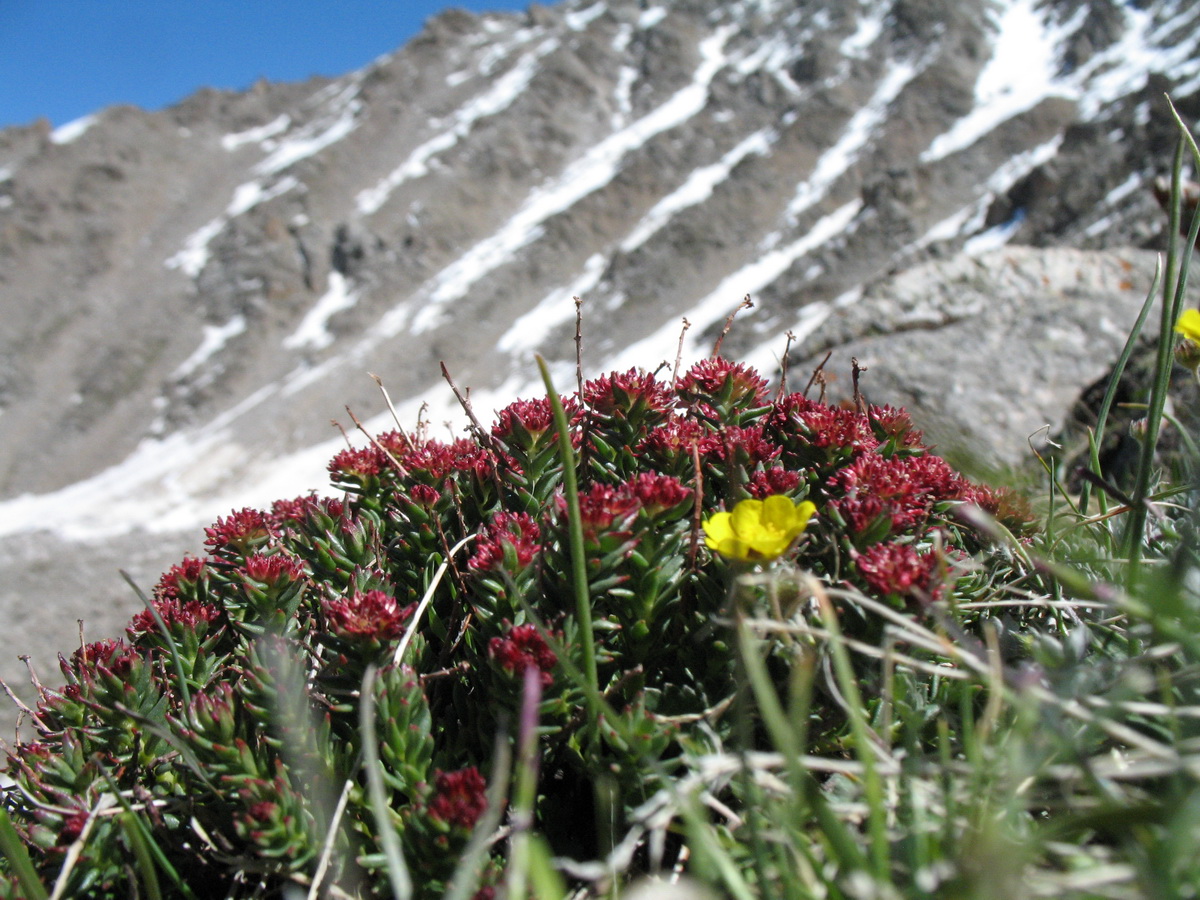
(191,295)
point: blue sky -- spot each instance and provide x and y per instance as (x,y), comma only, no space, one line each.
(63,59)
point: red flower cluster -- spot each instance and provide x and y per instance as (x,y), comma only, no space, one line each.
(114,656)
(524,648)
(189,614)
(357,463)
(460,797)
(897,569)
(373,615)
(621,394)
(748,446)
(902,489)
(175,581)
(677,436)
(657,493)
(272,571)
(775,480)
(533,417)
(242,531)
(434,461)
(717,378)
(801,423)
(516,530)
(603,509)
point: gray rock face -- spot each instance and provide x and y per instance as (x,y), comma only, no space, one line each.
(190,296)
(989,352)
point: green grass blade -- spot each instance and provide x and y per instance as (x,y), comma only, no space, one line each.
(137,842)
(15,852)
(1110,392)
(583,598)
(544,879)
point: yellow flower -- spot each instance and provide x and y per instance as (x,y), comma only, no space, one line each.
(1188,352)
(1189,325)
(758,530)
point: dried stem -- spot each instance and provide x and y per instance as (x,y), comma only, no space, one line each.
(746,303)
(818,376)
(374,443)
(679,352)
(579,345)
(783,365)
(860,404)
(391,408)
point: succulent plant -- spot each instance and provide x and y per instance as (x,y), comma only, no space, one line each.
(223,739)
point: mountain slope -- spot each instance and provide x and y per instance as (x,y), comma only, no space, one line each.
(190,295)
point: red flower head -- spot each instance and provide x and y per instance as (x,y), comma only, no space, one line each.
(273,571)
(294,511)
(357,464)
(371,615)
(772,481)
(394,443)
(522,424)
(515,532)
(603,509)
(815,433)
(902,489)
(177,615)
(524,648)
(897,569)
(460,797)
(72,828)
(116,657)
(629,394)
(424,495)
(433,461)
(181,581)
(895,425)
(657,493)
(748,446)
(676,437)
(243,531)
(719,383)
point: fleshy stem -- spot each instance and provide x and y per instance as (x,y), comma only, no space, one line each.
(583,599)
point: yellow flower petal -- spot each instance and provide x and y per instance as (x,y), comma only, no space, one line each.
(1189,325)
(758,529)
(717,528)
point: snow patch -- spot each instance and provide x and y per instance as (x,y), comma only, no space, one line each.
(192,259)
(495,100)
(214,340)
(865,34)
(587,174)
(530,330)
(1020,74)
(313,330)
(971,217)
(834,162)
(234,140)
(73,130)
(750,279)
(995,237)
(651,17)
(580,19)
(697,188)
(318,135)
